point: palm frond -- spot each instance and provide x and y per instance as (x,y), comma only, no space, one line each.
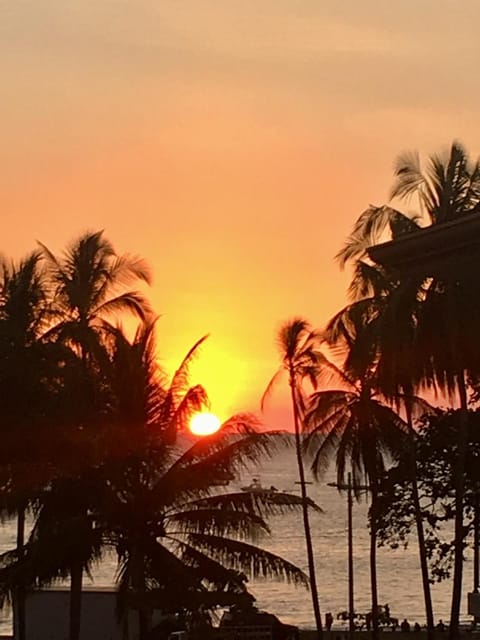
(255,562)
(213,461)
(179,384)
(131,301)
(265,504)
(271,386)
(239,524)
(222,578)
(127,268)
(408,174)
(367,231)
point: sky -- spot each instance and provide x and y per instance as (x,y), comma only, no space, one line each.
(231,143)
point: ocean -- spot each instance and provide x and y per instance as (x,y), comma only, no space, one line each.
(399,581)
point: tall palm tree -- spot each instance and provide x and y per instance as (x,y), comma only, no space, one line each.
(380,326)
(88,287)
(180,543)
(148,412)
(446,345)
(298,347)
(24,364)
(353,424)
(395,372)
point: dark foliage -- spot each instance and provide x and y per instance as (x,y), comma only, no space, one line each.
(435,449)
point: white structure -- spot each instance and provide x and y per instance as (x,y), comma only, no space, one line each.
(474,604)
(47,615)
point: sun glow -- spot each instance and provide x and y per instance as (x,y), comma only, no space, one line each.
(204,424)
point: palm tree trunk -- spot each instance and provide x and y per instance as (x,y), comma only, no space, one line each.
(138,575)
(459,494)
(422,550)
(373,561)
(306,522)
(20,620)
(76,578)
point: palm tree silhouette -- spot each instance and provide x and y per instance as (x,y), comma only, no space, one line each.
(25,363)
(88,287)
(298,347)
(446,348)
(180,544)
(353,424)
(379,327)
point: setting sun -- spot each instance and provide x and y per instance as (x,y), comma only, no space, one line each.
(204,424)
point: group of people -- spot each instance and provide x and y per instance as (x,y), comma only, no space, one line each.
(405,626)
(384,620)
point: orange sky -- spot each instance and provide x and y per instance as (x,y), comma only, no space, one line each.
(232,143)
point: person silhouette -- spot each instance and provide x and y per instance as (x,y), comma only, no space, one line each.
(368,620)
(328,620)
(405,626)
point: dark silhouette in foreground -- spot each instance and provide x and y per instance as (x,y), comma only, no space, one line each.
(249,615)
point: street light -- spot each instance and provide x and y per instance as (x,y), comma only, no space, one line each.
(351,597)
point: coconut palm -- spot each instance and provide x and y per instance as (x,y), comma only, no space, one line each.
(356,406)
(179,543)
(379,326)
(26,363)
(353,425)
(88,284)
(300,358)
(446,347)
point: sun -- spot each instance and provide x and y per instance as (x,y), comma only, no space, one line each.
(204,424)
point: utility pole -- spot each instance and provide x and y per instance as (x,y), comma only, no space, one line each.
(351,597)
(351,591)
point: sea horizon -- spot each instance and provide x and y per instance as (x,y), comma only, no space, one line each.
(399,580)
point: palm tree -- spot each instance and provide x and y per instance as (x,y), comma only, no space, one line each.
(380,326)
(362,432)
(24,364)
(88,285)
(300,359)
(149,413)
(395,372)
(89,288)
(445,342)
(180,543)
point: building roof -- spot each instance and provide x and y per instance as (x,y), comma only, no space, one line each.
(432,248)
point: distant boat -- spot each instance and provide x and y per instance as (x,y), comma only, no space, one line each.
(256,487)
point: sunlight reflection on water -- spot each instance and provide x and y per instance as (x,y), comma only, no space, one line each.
(398,571)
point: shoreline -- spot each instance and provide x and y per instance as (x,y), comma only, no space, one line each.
(342,634)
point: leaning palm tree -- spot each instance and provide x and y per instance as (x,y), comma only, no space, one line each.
(354,425)
(180,543)
(446,344)
(89,287)
(298,346)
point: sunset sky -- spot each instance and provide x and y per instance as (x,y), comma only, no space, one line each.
(231,143)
